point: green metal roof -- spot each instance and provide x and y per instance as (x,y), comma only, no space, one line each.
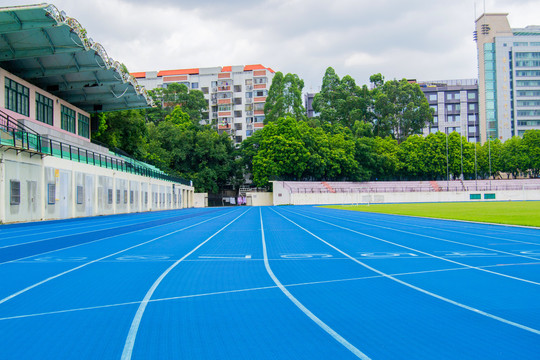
(45,47)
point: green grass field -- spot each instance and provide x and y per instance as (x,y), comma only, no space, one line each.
(525,213)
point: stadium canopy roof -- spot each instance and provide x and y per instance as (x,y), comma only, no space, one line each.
(45,47)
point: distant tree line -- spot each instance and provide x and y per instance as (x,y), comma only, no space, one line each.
(362,133)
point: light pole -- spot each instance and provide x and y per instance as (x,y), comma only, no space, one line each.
(489,154)
(447,166)
(461,145)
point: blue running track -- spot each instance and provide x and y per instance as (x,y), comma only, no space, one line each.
(268,283)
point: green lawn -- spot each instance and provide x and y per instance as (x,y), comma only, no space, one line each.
(513,212)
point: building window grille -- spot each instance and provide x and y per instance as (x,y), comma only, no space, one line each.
(68,119)
(17,97)
(125,197)
(51,194)
(44,109)
(118,196)
(84,126)
(80,194)
(109,196)
(15,192)
(131,197)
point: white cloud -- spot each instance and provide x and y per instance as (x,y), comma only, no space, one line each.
(421,39)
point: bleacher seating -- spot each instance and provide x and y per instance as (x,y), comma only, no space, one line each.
(409,186)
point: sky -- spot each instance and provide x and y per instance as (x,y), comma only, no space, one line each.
(413,39)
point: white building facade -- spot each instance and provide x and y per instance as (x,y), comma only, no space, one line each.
(509,77)
(236,94)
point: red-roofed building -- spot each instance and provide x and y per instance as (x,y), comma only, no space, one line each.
(236,94)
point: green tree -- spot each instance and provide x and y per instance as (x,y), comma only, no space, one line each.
(531,143)
(166,99)
(284,98)
(123,130)
(514,157)
(411,156)
(342,101)
(400,109)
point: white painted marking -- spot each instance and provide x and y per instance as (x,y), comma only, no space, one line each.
(132,335)
(378,255)
(143,257)
(305,310)
(463,306)
(236,257)
(101,258)
(305,256)
(245,290)
(59,259)
(429,254)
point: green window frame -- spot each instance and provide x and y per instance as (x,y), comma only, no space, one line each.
(44,109)
(17,97)
(83,128)
(68,119)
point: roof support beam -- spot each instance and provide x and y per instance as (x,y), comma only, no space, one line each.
(53,49)
(4,37)
(36,52)
(56,71)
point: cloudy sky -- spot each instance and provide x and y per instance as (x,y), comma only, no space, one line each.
(415,39)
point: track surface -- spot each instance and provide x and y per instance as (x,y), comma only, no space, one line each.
(268,283)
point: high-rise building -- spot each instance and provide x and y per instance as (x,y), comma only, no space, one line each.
(455,105)
(236,94)
(509,77)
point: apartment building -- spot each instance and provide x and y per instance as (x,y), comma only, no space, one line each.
(509,77)
(236,94)
(455,106)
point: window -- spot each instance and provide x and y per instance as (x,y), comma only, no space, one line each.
(145,197)
(432,97)
(237,101)
(204,90)
(261,80)
(471,117)
(80,194)
(471,95)
(435,119)
(238,114)
(249,81)
(472,107)
(125,197)
(249,107)
(131,196)
(84,126)
(109,196)
(259,93)
(17,97)
(118,196)
(249,95)
(237,88)
(15,192)
(68,119)
(195,85)
(258,106)
(434,107)
(51,194)
(472,129)
(44,109)
(224,107)
(521,44)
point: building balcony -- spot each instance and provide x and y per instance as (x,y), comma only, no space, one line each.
(224,75)
(258,125)
(259,99)
(224,101)
(258,112)
(224,88)
(259,86)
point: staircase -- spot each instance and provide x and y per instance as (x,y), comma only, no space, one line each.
(327,185)
(435,185)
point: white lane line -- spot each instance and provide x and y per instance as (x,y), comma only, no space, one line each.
(72,234)
(305,310)
(90,242)
(242,290)
(72,226)
(463,306)
(102,258)
(130,339)
(429,254)
(452,231)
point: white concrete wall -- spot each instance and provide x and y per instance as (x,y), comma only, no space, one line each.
(259,198)
(399,197)
(104,191)
(200,200)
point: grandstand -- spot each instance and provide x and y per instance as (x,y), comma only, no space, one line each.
(314,192)
(53,77)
